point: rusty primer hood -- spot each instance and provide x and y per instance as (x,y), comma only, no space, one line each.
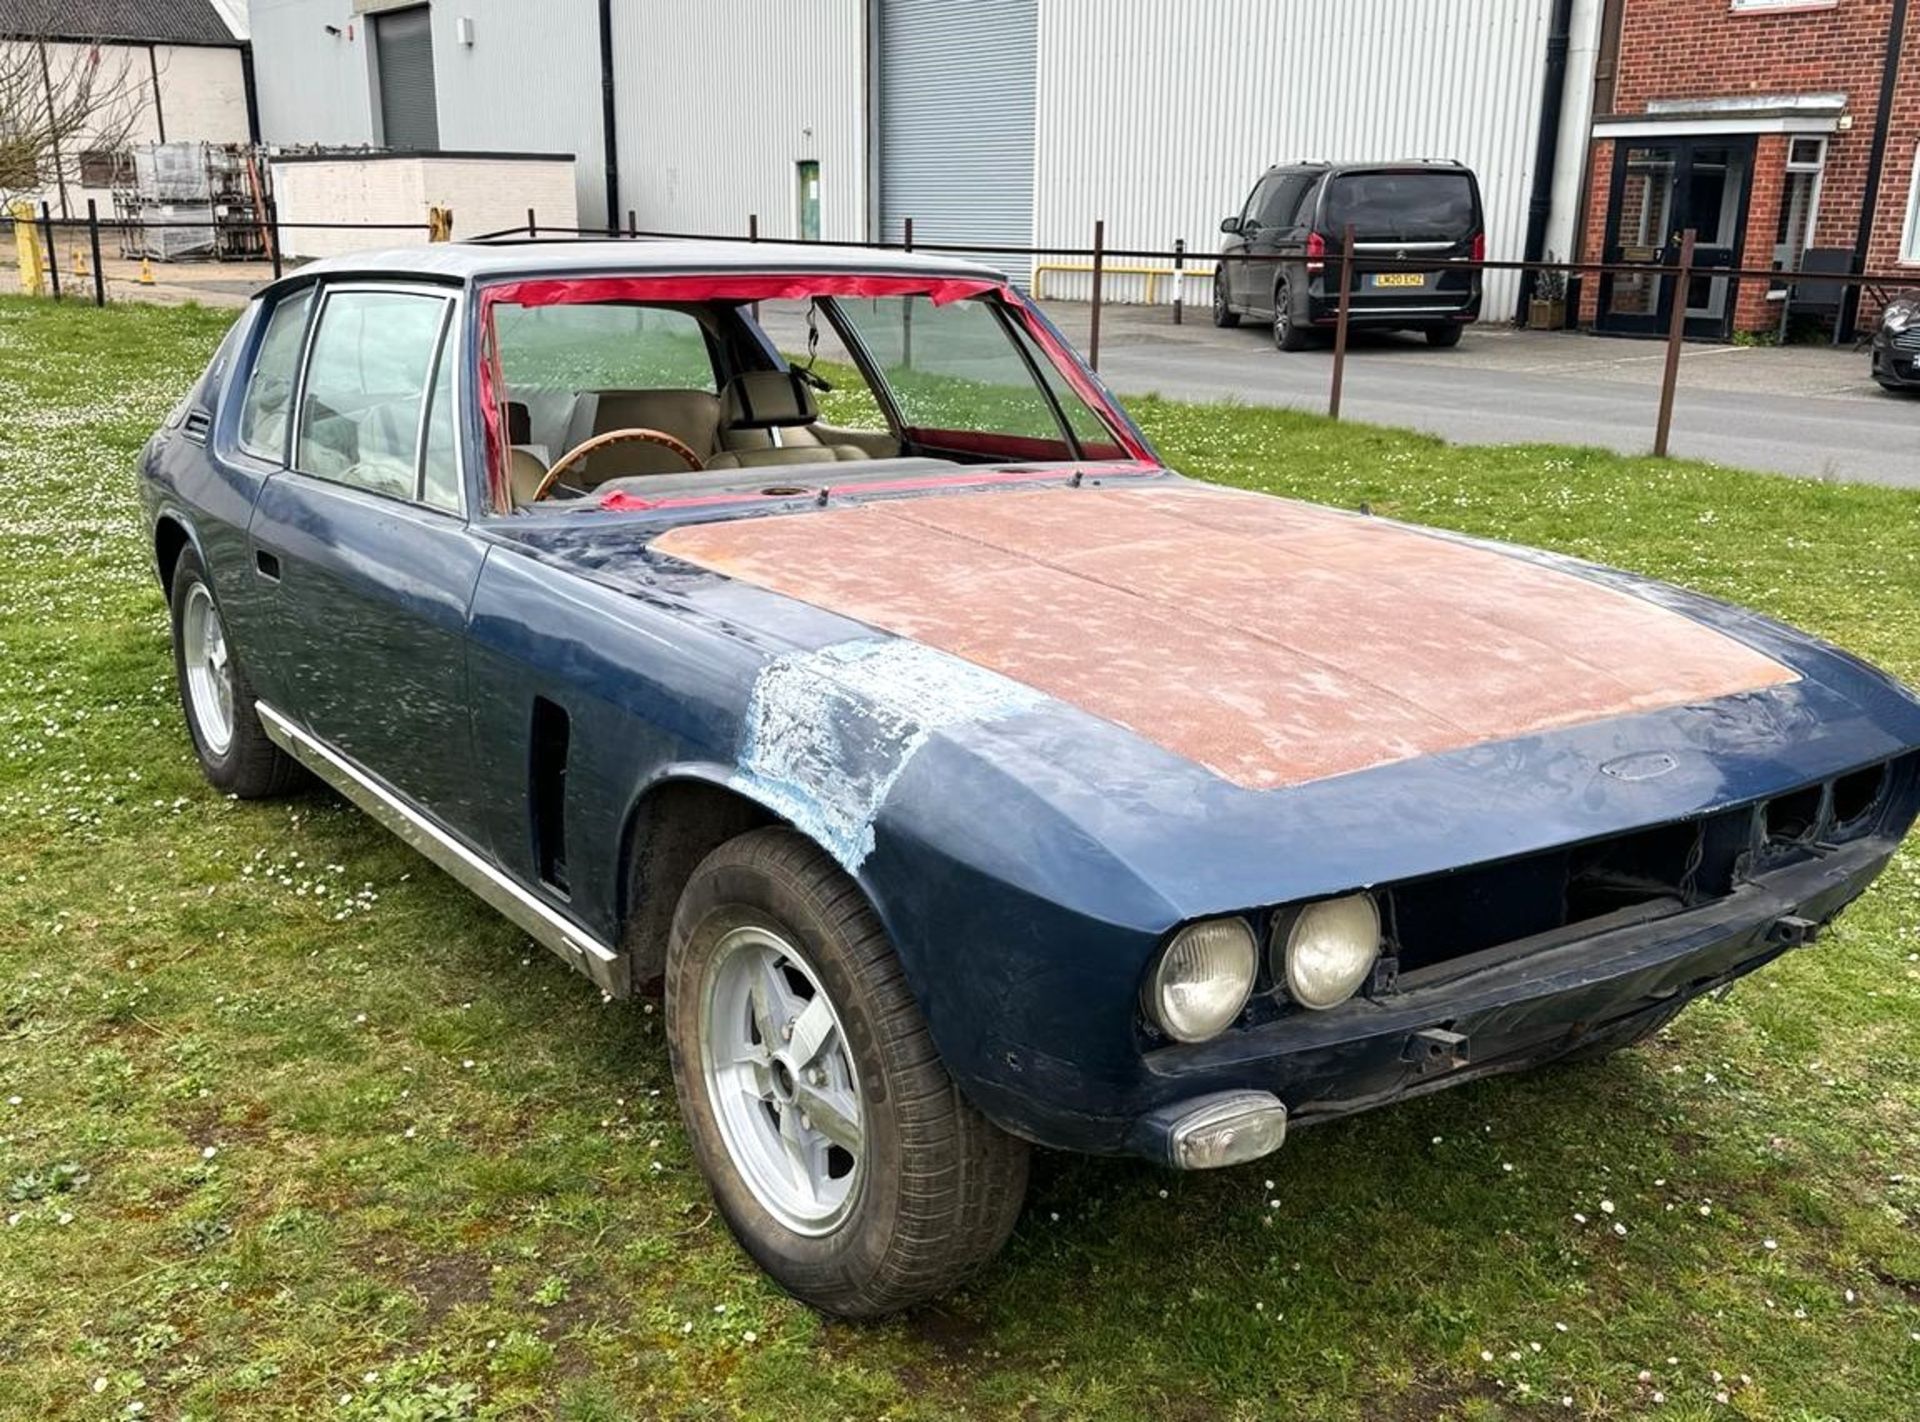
(1271,641)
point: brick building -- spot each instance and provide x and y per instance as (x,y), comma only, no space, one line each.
(1783,131)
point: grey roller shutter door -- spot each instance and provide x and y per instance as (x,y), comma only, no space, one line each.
(956,123)
(409,114)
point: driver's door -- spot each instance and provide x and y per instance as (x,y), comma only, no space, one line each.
(1240,244)
(363,540)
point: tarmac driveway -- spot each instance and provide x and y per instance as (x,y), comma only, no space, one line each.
(1805,410)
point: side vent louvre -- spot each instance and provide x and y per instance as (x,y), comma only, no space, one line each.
(196,425)
(547,779)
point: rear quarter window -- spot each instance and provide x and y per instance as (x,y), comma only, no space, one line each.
(268,401)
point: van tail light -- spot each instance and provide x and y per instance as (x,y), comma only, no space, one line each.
(1316,252)
(1479,246)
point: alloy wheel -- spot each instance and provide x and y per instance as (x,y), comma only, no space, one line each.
(209,669)
(782,1082)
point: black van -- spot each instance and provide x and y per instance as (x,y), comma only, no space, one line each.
(1295,219)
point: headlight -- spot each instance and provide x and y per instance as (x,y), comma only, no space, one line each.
(1202,979)
(1899,315)
(1325,952)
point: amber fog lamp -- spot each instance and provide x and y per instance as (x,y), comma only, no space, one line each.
(1327,950)
(1202,979)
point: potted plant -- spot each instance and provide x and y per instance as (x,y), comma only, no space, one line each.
(1547,308)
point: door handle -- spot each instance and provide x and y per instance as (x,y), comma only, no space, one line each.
(266,565)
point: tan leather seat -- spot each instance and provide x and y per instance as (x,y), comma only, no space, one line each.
(690,416)
(766,418)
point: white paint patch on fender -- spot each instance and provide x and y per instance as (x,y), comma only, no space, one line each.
(829,732)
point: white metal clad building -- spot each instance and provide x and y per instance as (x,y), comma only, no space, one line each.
(716,106)
(956,133)
(1163,139)
(993,122)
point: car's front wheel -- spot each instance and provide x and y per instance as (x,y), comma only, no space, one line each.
(839,1151)
(1224,316)
(234,752)
(1444,337)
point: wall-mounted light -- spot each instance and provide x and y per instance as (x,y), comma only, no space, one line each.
(333,30)
(463,29)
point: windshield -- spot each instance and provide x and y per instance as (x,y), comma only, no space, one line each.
(1402,207)
(613,385)
(964,368)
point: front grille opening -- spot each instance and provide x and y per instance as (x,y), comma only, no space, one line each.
(1792,819)
(1543,898)
(1653,865)
(1858,795)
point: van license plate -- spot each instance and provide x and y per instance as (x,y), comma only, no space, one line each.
(1398,279)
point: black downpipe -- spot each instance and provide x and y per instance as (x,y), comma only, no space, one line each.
(1546,153)
(1876,160)
(607,122)
(252,87)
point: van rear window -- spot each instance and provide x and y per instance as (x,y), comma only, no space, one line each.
(1401,207)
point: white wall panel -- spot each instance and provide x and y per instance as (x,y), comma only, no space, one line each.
(203,93)
(1160,118)
(486,195)
(717,103)
(529,83)
(313,86)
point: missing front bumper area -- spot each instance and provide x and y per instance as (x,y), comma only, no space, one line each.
(1207,1132)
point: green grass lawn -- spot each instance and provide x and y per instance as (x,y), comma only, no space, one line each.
(292,1127)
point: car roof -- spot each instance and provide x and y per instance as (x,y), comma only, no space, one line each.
(1315,165)
(483,261)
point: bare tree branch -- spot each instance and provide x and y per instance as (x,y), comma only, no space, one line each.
(61,96)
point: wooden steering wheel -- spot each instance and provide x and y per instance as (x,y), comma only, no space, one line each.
(587,448)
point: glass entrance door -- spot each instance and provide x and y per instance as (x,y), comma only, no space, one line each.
(1659,190)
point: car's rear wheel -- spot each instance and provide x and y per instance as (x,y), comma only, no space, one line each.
(839,1151)
(1287,335)
(234,752)
(1444,337)
(1224,316)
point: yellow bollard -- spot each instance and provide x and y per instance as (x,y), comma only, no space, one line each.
(146,271)
(439,224)
(27,241)
(77,262)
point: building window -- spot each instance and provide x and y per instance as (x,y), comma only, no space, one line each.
(1740,6)
(1910,234)
(105,168)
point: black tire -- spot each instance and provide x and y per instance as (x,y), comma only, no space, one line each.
(1444,338)
(249,765)
(939,1186)
(1287,335)
(1224,316)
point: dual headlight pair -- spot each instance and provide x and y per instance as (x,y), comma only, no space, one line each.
(1323,953)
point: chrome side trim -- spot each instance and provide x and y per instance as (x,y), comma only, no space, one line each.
(579,949)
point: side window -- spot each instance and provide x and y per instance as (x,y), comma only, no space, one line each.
(1256,201)
(439,464)
(367,379)
(1309,200)
(269,398)
(1283,201)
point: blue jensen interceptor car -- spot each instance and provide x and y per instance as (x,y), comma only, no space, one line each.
(966,778)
